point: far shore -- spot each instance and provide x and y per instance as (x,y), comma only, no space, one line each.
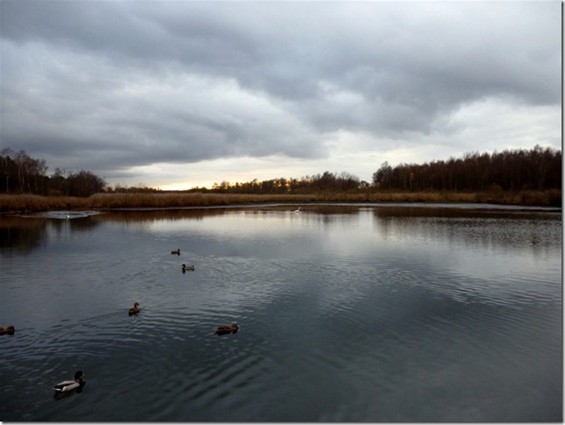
(162,200)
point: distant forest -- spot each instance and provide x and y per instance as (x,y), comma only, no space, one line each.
(19,173)
(536,169)
(510,170)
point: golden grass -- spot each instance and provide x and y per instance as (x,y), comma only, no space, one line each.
(182,200)
(109,201)
(27,202)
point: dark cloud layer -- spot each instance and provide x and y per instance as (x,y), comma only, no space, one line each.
(110,85)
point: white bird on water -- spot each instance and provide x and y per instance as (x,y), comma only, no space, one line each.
(297,210)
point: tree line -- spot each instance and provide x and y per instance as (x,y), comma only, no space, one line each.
(325,182)
(535,169)
(20,173)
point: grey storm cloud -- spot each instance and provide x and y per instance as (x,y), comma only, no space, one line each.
(131,83)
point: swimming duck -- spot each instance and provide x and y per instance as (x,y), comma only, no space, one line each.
(70,385)
(135,309)
(226,329)
(187,268)
(7,330)
(176,252)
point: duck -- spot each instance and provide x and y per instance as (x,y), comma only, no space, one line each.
(187,268)
(70,385)
(135,309)
(7,330)
(226,329)
(176,252)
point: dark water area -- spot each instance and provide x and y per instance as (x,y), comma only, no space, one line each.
(349,314)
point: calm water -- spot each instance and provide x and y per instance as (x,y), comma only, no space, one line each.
(377,314)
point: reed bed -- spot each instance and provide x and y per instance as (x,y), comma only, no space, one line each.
(183,200)
(36,203)
(171,200)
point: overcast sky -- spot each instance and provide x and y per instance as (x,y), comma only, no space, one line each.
(177,94)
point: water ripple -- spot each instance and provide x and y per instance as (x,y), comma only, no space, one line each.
(346,324)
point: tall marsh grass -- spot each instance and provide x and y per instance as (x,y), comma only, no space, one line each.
(109,201)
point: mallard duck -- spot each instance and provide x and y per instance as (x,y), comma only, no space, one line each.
(187,268)
(135,309)
(226,329)
(7,330)
(71,384)
(176,252)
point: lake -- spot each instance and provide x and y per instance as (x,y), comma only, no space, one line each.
(380,313)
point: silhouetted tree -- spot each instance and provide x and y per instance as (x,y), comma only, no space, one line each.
(382,178)
(536,169)
(84,183)
(21,173)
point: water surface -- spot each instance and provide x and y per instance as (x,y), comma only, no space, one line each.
(368,313)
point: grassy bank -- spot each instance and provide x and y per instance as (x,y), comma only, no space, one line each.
(108,201)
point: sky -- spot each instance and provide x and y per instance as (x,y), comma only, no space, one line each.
(177,94)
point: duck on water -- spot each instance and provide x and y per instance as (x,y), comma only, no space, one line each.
(226,329)
(7,330)
(186,268)
(64,388)
(135,309)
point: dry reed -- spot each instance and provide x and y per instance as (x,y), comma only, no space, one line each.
(169,200)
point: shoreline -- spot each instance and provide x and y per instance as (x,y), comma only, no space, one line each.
(27,203)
